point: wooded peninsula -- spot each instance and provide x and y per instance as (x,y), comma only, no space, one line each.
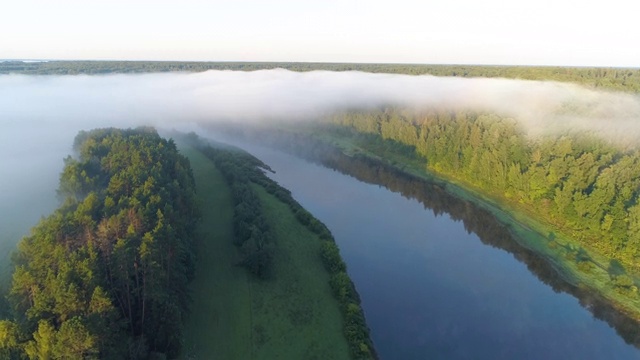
(107,274)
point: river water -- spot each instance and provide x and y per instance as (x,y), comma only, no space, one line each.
(441,279)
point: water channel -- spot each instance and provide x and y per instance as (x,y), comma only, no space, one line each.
(440,278)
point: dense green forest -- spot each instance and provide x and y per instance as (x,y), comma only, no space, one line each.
(622,79)
(105,276)
(253,236)
(584,188)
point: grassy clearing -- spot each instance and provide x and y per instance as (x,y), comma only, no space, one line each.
(291,315)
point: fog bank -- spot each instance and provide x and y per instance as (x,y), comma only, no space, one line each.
(40,115)
(171,99)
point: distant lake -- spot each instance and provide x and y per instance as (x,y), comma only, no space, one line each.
(440,278)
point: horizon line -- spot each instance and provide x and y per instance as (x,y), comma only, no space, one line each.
(44,60)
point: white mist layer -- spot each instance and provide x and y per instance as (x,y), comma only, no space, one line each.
(172,99)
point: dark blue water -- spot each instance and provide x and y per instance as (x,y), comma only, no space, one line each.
(432,290)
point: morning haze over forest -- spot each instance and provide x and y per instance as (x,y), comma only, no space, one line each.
(323,180)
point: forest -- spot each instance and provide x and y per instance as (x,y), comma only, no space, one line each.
(105,276)
(618,79)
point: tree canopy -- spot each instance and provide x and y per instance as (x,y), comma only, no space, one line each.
(105,276)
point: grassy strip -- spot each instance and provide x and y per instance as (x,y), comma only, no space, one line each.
(295,316)
(220,322)
(241,168)
(290,315)
(355,327)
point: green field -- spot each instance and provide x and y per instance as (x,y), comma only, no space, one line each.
(291,315)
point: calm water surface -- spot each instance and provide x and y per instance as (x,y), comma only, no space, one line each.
(429,288)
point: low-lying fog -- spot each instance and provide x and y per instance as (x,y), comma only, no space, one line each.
(40,115)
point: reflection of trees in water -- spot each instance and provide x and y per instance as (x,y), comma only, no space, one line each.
(475,219)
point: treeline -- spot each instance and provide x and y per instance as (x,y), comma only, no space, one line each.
(241,168)
(105,276)
(622,79)
(581,186)
(252,233)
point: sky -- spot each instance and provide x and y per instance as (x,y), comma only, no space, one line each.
(559,32)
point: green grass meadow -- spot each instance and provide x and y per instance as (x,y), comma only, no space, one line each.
(295,309)
(290,315)
(220,323)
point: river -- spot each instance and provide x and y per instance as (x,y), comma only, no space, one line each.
(442,279)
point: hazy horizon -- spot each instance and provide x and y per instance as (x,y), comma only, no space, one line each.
(38,60)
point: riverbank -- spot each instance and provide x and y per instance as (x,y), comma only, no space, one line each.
(236,316)
(576,265)
(559,250)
